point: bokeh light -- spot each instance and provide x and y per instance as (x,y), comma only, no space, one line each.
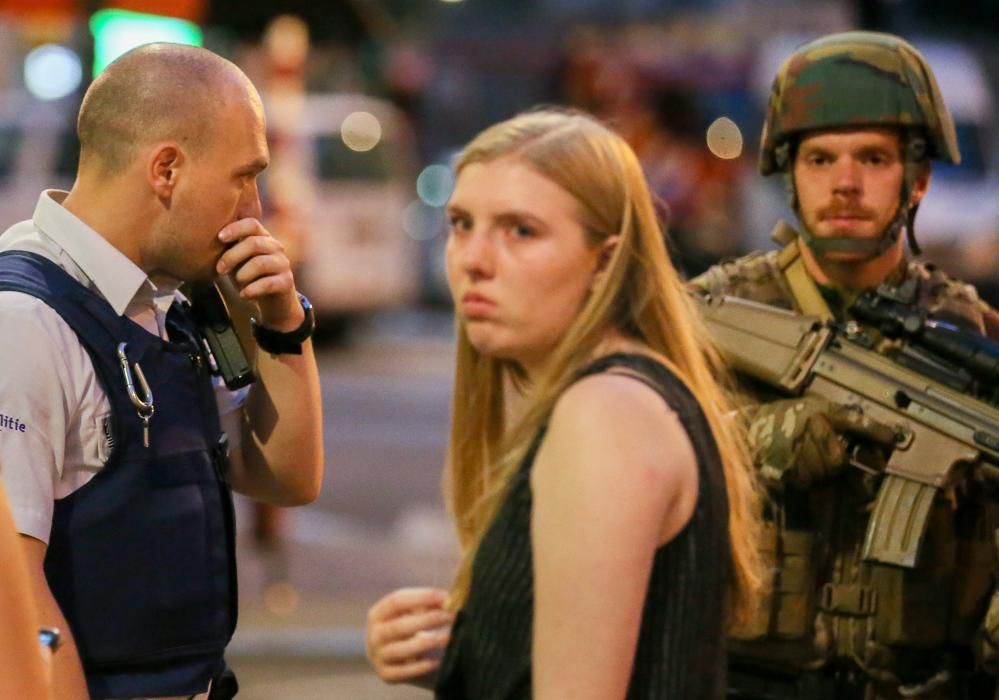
(434,185)
(361,131)
(422,222)
(52,71)
(724,138)
(117,31)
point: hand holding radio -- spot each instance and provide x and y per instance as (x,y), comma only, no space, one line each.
(261,271)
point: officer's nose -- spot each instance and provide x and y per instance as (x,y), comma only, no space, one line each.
(249,203)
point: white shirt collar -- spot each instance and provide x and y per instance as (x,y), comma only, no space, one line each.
(115,277)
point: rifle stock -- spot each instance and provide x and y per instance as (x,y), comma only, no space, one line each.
(941,434)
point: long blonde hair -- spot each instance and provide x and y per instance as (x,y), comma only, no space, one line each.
(638,293)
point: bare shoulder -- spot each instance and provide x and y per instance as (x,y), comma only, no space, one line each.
(612,418)
(611,396)
(614,450)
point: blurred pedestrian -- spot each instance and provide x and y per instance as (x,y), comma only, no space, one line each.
(23,670)
(120,446)
(607,532)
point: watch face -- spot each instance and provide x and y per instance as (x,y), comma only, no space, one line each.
(309,324)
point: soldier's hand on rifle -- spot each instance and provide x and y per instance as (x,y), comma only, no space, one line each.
(797,442)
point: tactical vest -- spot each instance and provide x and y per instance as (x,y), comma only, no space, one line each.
(827,606)
(141,559)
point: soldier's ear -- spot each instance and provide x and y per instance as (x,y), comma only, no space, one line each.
(922,183)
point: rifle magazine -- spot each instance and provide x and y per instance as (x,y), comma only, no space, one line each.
(898,522)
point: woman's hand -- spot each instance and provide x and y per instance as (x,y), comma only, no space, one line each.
(407,632)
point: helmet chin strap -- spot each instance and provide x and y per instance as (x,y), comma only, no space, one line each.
(868,247)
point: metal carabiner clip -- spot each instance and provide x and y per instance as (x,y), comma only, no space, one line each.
(144,404)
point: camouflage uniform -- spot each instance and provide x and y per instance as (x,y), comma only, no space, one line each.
(830,622)
(833,625)
(759,277)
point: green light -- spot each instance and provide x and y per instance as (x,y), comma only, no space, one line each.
(117,31)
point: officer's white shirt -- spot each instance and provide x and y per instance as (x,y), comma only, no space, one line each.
(53,411)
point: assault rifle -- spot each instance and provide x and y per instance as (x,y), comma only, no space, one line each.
(936,390)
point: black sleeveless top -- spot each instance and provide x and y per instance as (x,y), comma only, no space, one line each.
(680,653)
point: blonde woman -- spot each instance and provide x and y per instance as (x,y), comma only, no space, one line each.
(607,531)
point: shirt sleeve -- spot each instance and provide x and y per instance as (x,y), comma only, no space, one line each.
(230,404)
(36,407)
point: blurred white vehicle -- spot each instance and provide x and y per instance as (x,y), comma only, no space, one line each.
(962,203)
(38,150)
(355,254)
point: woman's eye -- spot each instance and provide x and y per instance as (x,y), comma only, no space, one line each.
(522,231)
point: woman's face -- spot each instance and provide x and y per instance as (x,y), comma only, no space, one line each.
(518,264)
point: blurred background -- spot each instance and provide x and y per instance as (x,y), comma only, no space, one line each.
(367,101)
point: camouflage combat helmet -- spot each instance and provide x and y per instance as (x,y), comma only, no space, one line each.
(860,79)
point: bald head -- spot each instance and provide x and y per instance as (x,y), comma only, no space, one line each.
(154,93)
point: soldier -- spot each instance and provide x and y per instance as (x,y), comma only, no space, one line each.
(853,122)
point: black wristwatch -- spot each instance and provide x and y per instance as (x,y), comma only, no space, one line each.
(290,343)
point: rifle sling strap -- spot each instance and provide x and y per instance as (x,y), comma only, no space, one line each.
(806,294)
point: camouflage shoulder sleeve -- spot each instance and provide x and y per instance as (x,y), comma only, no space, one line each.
(952,300)
(756,277)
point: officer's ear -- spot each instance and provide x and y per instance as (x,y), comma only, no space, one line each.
(921,183)
(163,164)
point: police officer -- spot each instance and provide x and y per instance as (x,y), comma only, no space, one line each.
(124,445)
(854,120)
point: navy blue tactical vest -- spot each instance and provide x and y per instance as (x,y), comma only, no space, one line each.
(141,559)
